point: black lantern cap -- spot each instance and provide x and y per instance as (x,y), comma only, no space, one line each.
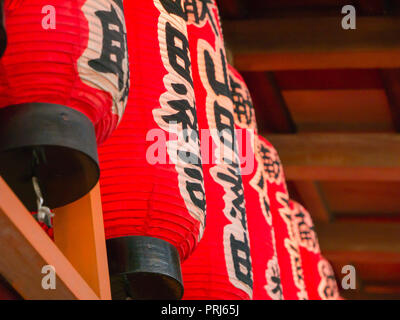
(55,144)
(144,268)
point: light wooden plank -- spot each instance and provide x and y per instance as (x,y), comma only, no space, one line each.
(391,81)
(340,157)
(371,267)
(362,198)
(313,43)
(339,110)
(383,289)
(25,248)
(359,237)
(79,233)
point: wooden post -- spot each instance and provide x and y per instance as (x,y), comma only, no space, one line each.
(25,249)
(79,233)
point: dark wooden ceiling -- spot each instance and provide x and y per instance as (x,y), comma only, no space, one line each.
(329,100)
(254,9)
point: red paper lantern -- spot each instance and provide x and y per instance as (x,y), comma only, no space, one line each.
(3,35)
(289,258)
(266,271)
(64,82)
(319,277)
(220,268)
(152,181)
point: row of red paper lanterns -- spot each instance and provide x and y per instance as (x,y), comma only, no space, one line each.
(236,236)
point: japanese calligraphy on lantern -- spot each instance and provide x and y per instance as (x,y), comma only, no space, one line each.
(259,183)
(212,64)
(292,246)
(107,66)
(305,231)
(177,114)
(242,105)
(327,289)
(196,12)
(272,164)
(297,268)
(285,212)
(244,117)
(273,275)
(266,268)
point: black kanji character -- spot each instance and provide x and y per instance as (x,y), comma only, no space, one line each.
(192,7)
(306,231)
(241,260)
(243,106)
(276,280)
(112,55)
(178,52)
(271,166)
(220,88)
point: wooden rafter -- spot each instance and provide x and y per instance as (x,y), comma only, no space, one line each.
(374,157)
(272,112)
(314,43)
(373,238)
(79,234)
(313,200)
(391,81)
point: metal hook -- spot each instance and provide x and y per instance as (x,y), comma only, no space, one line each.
(43,213)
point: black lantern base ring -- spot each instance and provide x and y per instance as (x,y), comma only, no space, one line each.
(55,144)
(144,268)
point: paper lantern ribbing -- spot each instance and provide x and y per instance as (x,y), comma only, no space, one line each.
(266,271)
(3,35)
(151,174)
(63,85)
(319,277)
(288,254)
(220,268)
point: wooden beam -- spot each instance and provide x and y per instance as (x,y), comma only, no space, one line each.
(372,248)
(271,8)
(343,257)
(7,292)
(25,249)
(329,79)
(271,109)
(357,295)
(345,110)
(374,157)
(391,82)
(313,43)
(232,9)
(376,7)
(312,200)
(373,201)
(383,289)
(372,268)
(79,234)
(378,238)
